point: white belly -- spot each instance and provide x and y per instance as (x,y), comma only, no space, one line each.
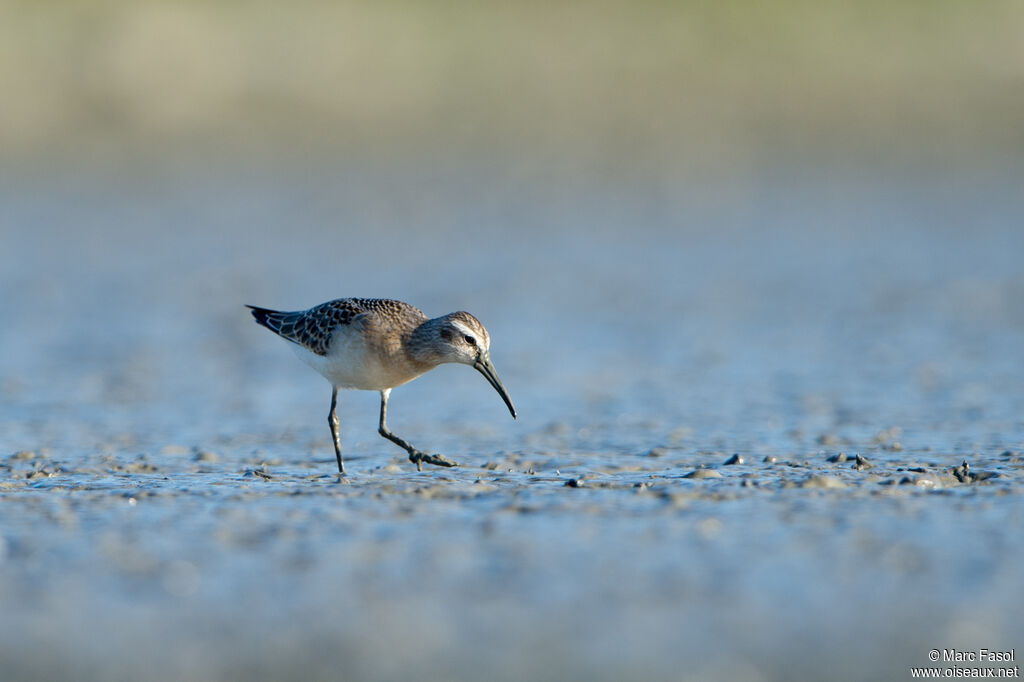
(351,363)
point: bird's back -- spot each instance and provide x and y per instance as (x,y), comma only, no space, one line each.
(313,329)
(353,342)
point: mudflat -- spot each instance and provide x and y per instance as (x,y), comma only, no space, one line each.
(753,443)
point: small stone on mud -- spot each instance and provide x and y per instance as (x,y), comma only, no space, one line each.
(681,433)
(709,528)
(703,473)
(205,456)
(735,459)
(962,472)
(823,482)
(888,435)
(861,463)
(574,483)
(23,454)
(657,452)
(770,459)
(919,481)
(839,458)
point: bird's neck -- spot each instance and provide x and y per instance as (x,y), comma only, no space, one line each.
(421,345)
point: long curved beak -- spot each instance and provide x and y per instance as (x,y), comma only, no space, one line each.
(484,366)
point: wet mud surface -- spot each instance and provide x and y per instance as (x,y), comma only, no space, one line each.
(782,442)
(646,563)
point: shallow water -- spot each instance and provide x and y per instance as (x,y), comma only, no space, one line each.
(167,502)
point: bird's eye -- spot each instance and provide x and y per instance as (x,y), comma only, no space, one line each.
(470,340)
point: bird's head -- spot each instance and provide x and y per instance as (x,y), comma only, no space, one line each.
(461,338)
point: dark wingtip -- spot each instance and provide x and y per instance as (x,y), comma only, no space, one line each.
(259,314)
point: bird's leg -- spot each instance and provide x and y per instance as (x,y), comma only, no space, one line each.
(332,419)
(414,455)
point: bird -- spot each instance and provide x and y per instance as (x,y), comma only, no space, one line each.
(377,344)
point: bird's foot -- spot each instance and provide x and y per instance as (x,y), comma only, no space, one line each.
(419,458)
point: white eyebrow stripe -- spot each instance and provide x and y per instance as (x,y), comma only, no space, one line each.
(463,328)
(480,336)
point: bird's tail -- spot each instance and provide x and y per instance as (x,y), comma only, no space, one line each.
(295,326)
(271,319)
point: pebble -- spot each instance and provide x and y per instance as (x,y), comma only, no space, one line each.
(962,472)
(770,459)
(823,482)
(838,459)
(681,433)
(657,452)
(861,463)
(703,473)
(735,459)
(709,528)
(574,483)
(887,435)
(139,466)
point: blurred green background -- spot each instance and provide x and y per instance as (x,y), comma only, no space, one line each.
(688,86)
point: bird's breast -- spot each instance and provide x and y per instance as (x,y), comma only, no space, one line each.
(354,361)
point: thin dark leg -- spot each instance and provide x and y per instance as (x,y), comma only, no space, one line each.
(414,455)
(332,419)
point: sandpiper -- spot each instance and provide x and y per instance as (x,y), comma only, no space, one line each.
(377,344)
